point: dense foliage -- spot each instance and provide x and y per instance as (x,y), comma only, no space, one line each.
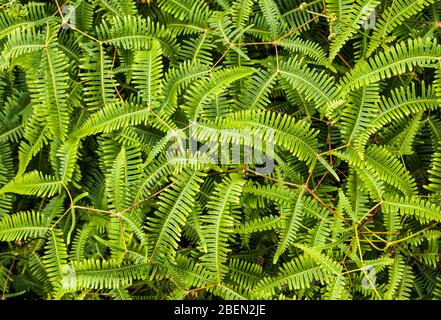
(94,92)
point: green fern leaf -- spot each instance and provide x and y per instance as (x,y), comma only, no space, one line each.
(392,17)
(327,263)
(390,169)
(148,72)
(397,60)
(175,206)
(203,91)
(403,102)
(272,17)
(423,210)
(55,258)
(21,226)
(316,86)
(113,117)
(33,183)
(95,274)
(349,21)
(291,219)
(219,223)
(297,274)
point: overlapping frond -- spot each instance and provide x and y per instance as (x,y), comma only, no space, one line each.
(392,17)
(33,183)
(21,226)
(147,73)
(203,91)
(401,58)
(175,206)
(219,222)
(421,209)
(224,149)
(350,16)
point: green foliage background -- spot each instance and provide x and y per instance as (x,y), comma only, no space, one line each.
(92,97)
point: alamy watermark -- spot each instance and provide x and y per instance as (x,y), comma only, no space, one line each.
(369,22)
(69,17)
(370,277)
(224,147)
(69,279)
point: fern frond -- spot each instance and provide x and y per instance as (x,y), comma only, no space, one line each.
(396,273)
(84,12)
(22,226)
(67,156)
(336,290)
(403,143)
(220,149)
(113,117)
(360,113)
(182,9)
(309,48)
(390,169)
(403,57)
(6,174)
(34,14)
(121,294)
(405,288)
(297,274)
(391,222)
(95,274)
(130,32)
(154,174)
(437,82)
(294,136)
(147,73)
(204,90)
(358,195)
(396,13)
(244,273)
(197,50)
(316,86)
(257,90)
(37,135)
(421,209)
(229,293)
(55,258)
(190,273)
(117,184)
(49,92)
(223,25)
(77,253)
(319,235)
(327,263)
(118,7)
(291,220)
(435,172)
(219,222)
(372,182)
(272,15)
(33,183)
(241,11)
(340,9)
(97,75)
(275,193)
(175,206)
(402,102)
(21,42)
(349,21)
(259,224)
(176,80)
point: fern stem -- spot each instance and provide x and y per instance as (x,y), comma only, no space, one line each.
(392,243)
